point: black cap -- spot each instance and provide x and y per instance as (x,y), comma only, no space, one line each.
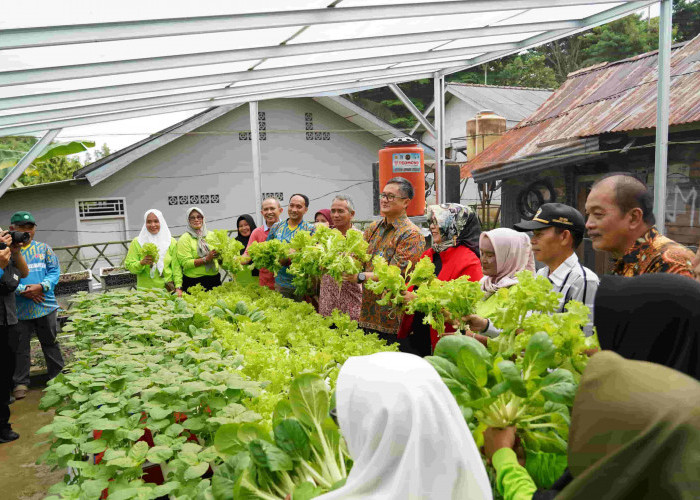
(554,215)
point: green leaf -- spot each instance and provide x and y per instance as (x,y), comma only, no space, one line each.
(309,398)
(559,387)
(65,149)
(269,456)
(96,446)
(449,373)
(306,491)
(282,411)
(196,470)
(93,488)
(65,449)
(292,439)
(226,439)
(539,355)
(159,454)
(511,374)
(474,362)
(159,413)
(138,451)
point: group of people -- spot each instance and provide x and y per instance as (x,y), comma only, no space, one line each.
(635,423)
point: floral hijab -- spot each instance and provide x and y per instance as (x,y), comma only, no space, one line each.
(459,225)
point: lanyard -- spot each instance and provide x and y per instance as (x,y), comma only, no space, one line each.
(585,286)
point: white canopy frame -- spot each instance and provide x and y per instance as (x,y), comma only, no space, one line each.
(43,98)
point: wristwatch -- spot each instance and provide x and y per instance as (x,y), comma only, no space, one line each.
(361,277)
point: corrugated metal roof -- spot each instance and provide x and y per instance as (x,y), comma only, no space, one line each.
(607,98)
(513,103)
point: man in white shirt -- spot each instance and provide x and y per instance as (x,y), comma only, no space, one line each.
(557,231)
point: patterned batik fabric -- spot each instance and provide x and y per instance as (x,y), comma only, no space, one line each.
(399,243)
(655,253)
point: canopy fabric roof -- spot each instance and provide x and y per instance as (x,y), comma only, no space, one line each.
(147,58)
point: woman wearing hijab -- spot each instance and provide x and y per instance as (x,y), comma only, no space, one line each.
(245,225)
(323,216)
(163,273)
(504,253)
(652,317)
(199,264)
(635,434)
(405,433)
(455,252)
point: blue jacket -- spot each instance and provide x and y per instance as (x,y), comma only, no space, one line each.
(44,270)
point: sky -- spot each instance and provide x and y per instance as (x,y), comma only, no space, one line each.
(119,134)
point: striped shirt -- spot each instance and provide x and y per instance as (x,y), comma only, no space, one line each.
(574,282)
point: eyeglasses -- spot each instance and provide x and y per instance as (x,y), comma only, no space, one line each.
(196,217)
(390,197)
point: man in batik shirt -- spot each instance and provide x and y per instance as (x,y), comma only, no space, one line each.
(621,221)
(399,241)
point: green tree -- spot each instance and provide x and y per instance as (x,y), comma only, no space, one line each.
(54,164)
(527,70)
(686,19)
(626,37)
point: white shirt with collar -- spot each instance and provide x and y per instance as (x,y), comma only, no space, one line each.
(574,282)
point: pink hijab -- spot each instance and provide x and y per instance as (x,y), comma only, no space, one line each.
(513,254)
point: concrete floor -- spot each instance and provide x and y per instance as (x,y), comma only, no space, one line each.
(20,477)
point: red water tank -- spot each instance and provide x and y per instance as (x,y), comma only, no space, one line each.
(403,157)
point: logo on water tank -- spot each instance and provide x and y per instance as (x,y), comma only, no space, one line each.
(405,162)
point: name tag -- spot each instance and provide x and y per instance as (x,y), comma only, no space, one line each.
(14,276)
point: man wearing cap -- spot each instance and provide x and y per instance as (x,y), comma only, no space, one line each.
(557,231)
(36,306)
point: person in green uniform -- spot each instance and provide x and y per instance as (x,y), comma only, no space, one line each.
(163,273)
(199,264)
(246,225)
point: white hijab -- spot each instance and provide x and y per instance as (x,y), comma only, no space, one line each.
(162,240)
(405,433)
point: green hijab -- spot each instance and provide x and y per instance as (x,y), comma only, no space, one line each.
(635,432)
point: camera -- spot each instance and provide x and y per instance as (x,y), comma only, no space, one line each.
(17,237)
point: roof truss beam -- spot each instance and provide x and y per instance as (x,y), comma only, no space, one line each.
(412,108)
(228,78)
(587,23)
(351,79)
(91,70)
(128,30)
(137,113)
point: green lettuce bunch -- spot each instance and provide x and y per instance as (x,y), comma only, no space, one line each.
(268,254)
(229,250)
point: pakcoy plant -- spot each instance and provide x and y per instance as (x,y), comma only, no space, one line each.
(495,392)
(304,456)
(157,397)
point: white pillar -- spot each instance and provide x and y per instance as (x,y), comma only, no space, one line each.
(662,114)
(255,144)
(439,87)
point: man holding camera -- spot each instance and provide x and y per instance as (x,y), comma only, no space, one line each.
(36,305)
(12,268)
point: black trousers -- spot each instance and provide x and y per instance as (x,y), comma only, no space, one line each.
(7,370)
(208,282)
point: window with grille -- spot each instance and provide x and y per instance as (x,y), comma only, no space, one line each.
(311,134)
(262,127)
(95,209)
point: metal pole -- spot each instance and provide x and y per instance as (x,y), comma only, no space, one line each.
(439,88)
(412,108)
(255,144)
(38,148)
(662,113)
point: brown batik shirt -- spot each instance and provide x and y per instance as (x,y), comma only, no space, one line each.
(399,243)
(655,253)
